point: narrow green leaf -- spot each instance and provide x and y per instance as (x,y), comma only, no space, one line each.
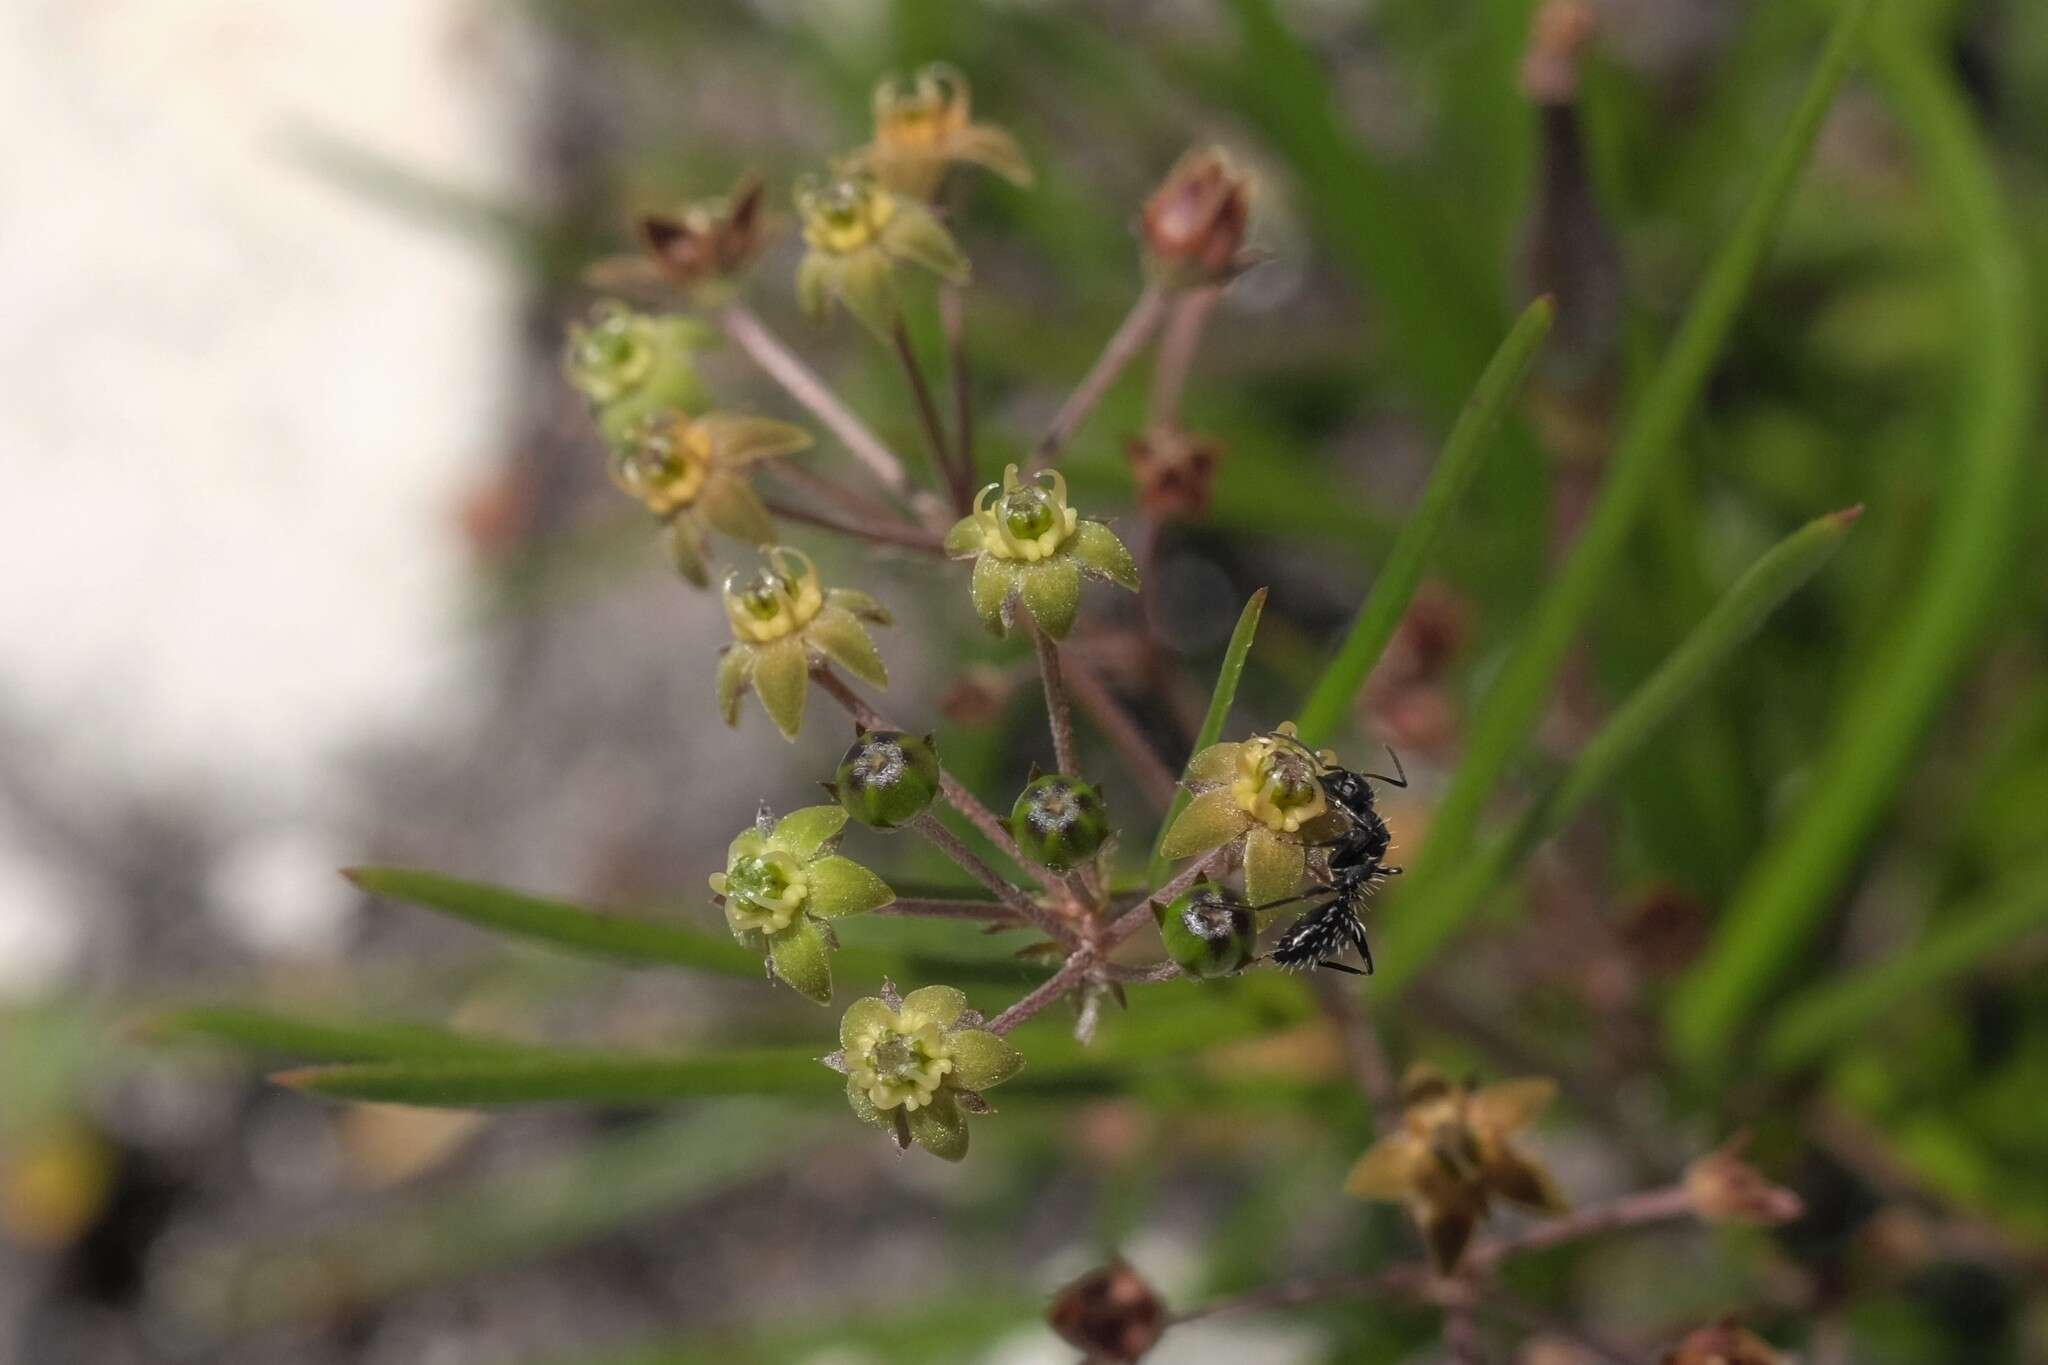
(553,1075)
(561,923)
(1836,1010)
(1501,727)
(1212,723)
(1398,577)
(1424,926)
(315,1039)
(1779,904)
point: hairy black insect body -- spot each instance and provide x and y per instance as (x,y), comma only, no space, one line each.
(1356,864)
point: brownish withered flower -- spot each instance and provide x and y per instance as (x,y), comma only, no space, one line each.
(1194,224)
(1453,1153)
(702,243)
(1174,472)
(924,126)
(1109,1314)
(1727,1189)
(1722,1344)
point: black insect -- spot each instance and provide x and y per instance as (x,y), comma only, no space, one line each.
(1356,863)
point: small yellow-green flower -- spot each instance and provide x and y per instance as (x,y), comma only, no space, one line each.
(1028,546)
(692,473)
(925,125)
(1264,791)
(917,1065)
(858,234)
(783,884)
(1454,1152)
(633,365)
(783,620)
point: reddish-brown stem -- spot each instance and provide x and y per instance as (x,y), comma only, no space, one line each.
(943,471)
(1057,713)
(831,493)
(1177,346)
(1122,348)
(953,318)
(920,907)
(970,862)
(1070,975)
(1632,1210)
(900,534)
(762,346)
(1154,778)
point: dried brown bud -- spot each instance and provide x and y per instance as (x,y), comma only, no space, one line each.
(1722,1344)
(1727,1189)
(1110,1313)
(1550,66)
(705,241)
(1194,224)
(1174,472)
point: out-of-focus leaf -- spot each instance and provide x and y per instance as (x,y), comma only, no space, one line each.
(317,1039)
(558,1075)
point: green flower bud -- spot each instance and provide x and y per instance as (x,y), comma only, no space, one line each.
(1208,931)
(1060,821)
(887,778)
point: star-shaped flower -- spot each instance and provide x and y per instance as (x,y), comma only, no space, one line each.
(925,125)
(917,1065)
(782,620)
(785,882)
(692,473)
(1454,1152)
(1028,546)
(1265,792)
(858,233)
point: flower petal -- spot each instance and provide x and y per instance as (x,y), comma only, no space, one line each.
(686,549)
(841,886)
(1052,591)
(940,1004)
(940,1128)
(982,1059)
(804,832)
(814,286)
(964,538)
(995,584)
(1273,866)
(866,1015)
(802,960)
(864,1108)
(1097,547)
(730,505)
(986,145)
(862,605)
(914,235)
(862,281)
(1510,1106)
(782,676)
(1210,821)
(735,672)
(1217,763)
(745,844)
(1515,1176)
(847,643)
(1382,1173)
(737,438)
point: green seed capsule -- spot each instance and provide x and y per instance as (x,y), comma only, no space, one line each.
(887,778)
(1208,931)
(1060,821)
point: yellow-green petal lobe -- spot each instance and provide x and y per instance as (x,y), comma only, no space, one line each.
(1052,592)
(995,580)
(1273,866)
(940,1004)
(939,1127)
(782,675)
(964,538)
(1210,821)
(1217,763)
(863,1107)
(735,671)
(738,439)
(988,146)
(813,286)
(1510,1106)
(802,960)
(863,282)
(841,886)
(731,506)
(686,550)
(847,643)
(982,1059)
(804,832)
(859,603)
(865,1015)
(745,844)
(1382,1173)
(916,236)
(1098,548)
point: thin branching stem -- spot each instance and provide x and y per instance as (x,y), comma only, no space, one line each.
(970,862)
(1059,715)
(900,534)
(798,380)
(924,907)
(943,470)
(953,319)
(1123,347)
(1072,973)
(1177,346)
(1461,1335)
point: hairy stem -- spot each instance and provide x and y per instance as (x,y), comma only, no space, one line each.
(1071,973)
(921,907)
(1123,347)
(1059,715)
(797,379)
(970,862)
